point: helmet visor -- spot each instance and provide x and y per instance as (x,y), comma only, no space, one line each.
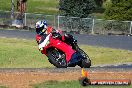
(39,30)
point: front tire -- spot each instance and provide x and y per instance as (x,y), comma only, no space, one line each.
(57,58)
(85,62)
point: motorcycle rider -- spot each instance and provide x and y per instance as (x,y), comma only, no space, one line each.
(42,30)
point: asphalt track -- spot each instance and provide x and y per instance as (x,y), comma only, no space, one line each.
(107,68)
(119,42)
(112,41)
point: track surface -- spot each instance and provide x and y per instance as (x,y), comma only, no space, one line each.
(119,42)
(104,68)
(25,78)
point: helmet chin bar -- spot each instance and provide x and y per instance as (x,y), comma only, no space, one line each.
(43,31)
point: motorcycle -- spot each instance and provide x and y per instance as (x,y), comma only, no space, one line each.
(63,54)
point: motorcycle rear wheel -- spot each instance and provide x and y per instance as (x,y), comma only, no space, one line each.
(57,58)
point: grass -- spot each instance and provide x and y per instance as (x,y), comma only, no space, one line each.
(43,6)
(100,55)
(3,87)
(33,6)
(19,53)
(71,84)
(5,5)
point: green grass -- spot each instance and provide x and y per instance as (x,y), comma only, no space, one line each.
(18,53)
(5,5)
(3,87)
(71,84)
(42,6)
(34,6)
(100,55)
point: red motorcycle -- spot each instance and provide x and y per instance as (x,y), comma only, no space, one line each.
(64,54)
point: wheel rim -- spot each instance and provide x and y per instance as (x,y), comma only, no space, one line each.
(59,58)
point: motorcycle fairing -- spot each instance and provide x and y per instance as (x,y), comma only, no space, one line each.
(45,42)
(56,43)
(63,47)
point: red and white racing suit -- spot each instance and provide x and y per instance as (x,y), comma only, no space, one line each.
(40,38)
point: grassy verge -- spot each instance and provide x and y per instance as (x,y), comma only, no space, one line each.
(33,6)
(71,84)
(42,6)
(100,55)
(18,53)
(3,87)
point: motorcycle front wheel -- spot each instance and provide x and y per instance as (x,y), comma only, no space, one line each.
(57,58)
(85,62)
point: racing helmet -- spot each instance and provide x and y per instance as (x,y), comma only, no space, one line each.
(41,27)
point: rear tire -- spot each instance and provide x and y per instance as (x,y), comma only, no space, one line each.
(57,58)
